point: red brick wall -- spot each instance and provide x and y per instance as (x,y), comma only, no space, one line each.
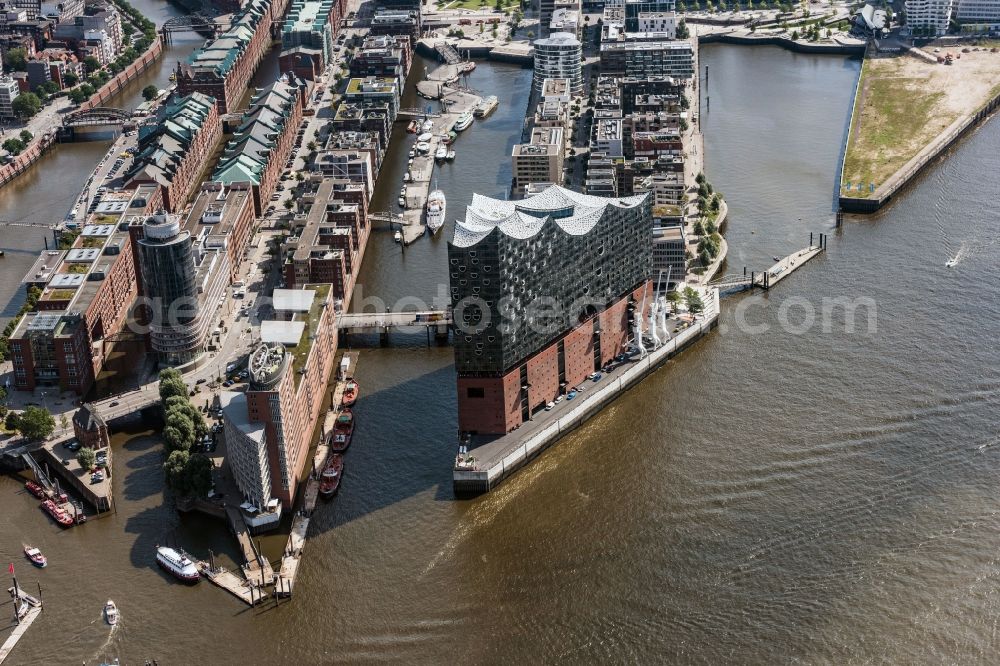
(499,411)
(579,353)
(543,377)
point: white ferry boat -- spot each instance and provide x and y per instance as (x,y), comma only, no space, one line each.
(177,564)
(463,121)
(486,107)
(436,205)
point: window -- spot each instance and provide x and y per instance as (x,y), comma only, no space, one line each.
(475,392)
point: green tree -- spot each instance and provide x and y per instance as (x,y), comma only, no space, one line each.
(173,469)
(150,92)
(70,79)
(50,87)
(86,457)
(26,136)
(16,59)
(26,105)
(37,423)
(13,421)
(13,146)
(694,302)
(92,64)
(180,422)
(77,96)
(675,297)
(174,439)
(188,475)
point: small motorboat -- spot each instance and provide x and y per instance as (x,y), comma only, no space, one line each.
(329,479)
(35,489)
(425,137)
(343,431)
(412,153)
(776,258)
(398,237)
(467,67)
(350,393)
(450,156)
(412,127)
(407,177)
(401,201)
(423,147)
(111,615)
(35,556)
(951,262)
(427,126)
(441,154)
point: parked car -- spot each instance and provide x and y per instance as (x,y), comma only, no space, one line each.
(228,383)
(72,445)
(549,407)
(114,403)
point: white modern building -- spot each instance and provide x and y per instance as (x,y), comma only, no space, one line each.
(978,11)
(559,56)
(661,22)
(928,16)
(8,93)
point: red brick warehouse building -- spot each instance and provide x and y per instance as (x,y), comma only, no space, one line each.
(544,292)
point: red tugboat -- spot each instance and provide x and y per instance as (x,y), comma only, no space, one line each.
(35,489)
(35,556)
(329,481)
(343,430)
(350,393)
(57,513)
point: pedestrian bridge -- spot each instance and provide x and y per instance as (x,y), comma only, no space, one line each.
(357,321)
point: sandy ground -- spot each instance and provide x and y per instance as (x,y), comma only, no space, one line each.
(905,103)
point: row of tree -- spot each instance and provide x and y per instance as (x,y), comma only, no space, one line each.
(16,144)
(187,474)
(33,423)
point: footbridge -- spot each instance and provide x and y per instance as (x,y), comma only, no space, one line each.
(440,321)
(415,114)
(195,22)
(94,123)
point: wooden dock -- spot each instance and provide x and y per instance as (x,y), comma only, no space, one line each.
(779,271)
(240,588)
(300,524)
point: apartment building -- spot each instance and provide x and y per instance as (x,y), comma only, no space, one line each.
(308,34)
(558,57)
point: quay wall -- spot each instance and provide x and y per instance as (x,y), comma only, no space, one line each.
(909,171)
(124,77)
(785,43)
(497,54)
(100,502)
(28,157)
(35,151)
(476,482)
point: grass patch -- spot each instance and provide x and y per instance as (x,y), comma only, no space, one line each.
(77,269)
(93,242)
(894,122)
(60,295)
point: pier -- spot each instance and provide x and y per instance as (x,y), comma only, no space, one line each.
(491,460)
(454,102)
(779,271)
(27,608)
(292,556)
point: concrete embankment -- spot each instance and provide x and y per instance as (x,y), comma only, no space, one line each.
(510,53)
(909,171)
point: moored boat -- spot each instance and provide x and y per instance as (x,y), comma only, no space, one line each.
(350,392)
(486,107)
(343,431)
(111,613)
(436,206)
(412,127)
(450,156)
(423,147)
(427,126)
(442,153)
(463,121)
(467,67)
(329,479)
(177,564)
(35,556)
(35,489)
(57,513)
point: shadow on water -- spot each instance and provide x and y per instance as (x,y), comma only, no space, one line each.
(395,454)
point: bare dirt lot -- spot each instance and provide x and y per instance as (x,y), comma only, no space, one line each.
(905,104)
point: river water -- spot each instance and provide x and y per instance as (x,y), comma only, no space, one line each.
(806,493)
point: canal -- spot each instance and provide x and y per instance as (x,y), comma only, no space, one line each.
(806,493)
